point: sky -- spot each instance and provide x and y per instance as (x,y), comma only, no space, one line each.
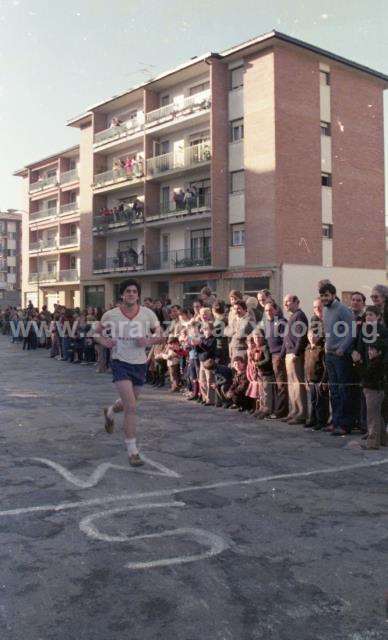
(58,58)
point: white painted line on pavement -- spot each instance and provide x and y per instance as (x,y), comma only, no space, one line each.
(100,471)
(65,506)
(215,543)
(87,524)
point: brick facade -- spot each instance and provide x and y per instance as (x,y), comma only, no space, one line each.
(298,157)
(358,169)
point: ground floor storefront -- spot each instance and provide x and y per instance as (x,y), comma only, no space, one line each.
(68,296)
(302,280)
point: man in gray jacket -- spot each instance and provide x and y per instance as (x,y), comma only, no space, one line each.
(339,327)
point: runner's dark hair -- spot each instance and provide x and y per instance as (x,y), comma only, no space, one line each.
(130,282)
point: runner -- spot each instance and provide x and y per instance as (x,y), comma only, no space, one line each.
(126,330)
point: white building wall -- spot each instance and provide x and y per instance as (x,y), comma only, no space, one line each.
(236,208)
(236,155)
(327,252)
(302,280)
(326,154)
(327,207)
(236,104)
(236,256)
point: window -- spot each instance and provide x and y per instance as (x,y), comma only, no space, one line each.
(72,197)
(162,147)
(327,231)
(95,296)
(200,244)
(237,181)
(11,269)
(73,262)
(72,164)
(324,78)
(253,285)
(192,290)
(236,131)
(51,173)
(326,179)
(325,128)
(165,198)
(11,252)
(51,204)
(51,267)
(237,238)
(164,100)
(204,192)
(198,88)
(236,78)
(127,245)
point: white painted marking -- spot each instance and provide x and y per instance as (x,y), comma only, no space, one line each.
(101,470)
(65,506)
(214,542)
(86,525)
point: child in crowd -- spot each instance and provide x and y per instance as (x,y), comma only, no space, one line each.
(371,356)
(207,348)
(265,375)
(238,389)
(316,381)
(172,355)
(223,378)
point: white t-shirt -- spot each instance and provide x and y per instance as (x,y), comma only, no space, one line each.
(126,332)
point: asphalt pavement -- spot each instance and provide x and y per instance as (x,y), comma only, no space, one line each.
(235,529)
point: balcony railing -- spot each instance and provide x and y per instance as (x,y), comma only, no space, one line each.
(43,276)
(68,275)
(69,176)
(69,208)
(44,213)
(124,261)
(66,241)
(120,131)
(180,259)
(118,175)
(197,102)
(112,219)
(177,160)
(50,243)
(43,184)
(184,207)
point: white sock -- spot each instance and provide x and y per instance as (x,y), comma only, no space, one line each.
(131,446)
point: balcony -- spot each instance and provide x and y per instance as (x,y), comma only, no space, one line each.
(181,159)
(192,104)
(41,245)
(111,219)
(124,261)
(71,207)
(67,241)
(69,275)
(118,175)
(118,132)
(199,204)
(180,259)
(43,213)
(69,176)
(43,276)
(45,183)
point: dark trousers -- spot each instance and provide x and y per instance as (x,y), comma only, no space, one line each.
(320,405)
(281,390)
(340,373)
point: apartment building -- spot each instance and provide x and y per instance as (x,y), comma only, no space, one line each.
(261,166)
(10,257)
(51,230)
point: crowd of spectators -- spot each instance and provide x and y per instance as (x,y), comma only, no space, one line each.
(251,354)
